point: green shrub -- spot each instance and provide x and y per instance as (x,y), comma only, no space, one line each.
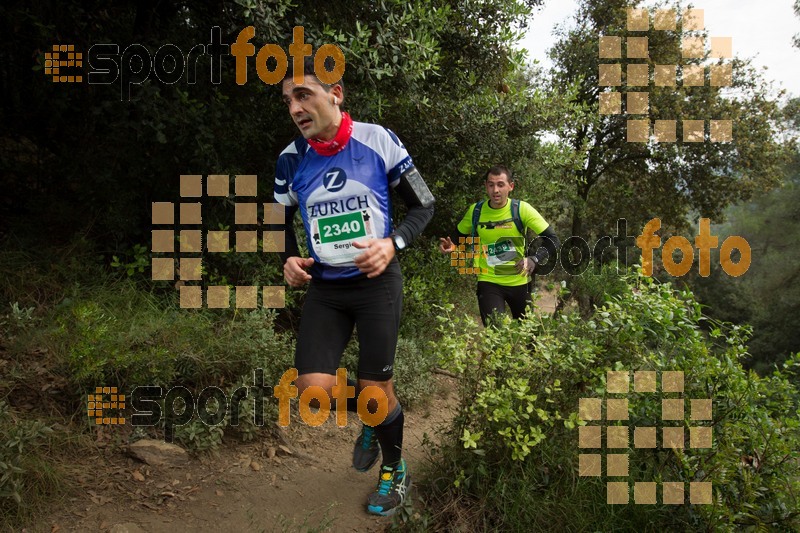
(123,336)
(510,461)
(413,371)
(595,286)
(23,473)
(251,340)
(118,335)
(428,281)
(17,320)
(197,436)
(31,277)
(241,345)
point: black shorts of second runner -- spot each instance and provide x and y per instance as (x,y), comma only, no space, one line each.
(493,297)
(331,310)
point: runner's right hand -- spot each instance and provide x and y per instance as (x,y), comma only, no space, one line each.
(446,245)
(294,271)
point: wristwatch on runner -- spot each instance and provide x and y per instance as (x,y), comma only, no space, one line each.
(398,241)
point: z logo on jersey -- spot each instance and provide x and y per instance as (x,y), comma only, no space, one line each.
(334,180)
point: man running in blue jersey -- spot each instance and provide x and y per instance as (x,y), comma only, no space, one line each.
(339,175)
(502,224)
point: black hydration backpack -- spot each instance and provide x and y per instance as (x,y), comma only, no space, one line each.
(476,216)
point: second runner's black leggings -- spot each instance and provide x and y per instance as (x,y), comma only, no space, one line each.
(492,298)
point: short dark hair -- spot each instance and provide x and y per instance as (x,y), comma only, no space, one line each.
(309,70)
(496,170)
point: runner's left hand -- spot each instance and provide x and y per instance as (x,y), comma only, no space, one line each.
(376,256)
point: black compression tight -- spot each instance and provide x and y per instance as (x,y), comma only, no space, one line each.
(492,298)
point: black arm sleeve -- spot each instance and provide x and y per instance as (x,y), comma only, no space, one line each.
(290,247)
(550,245)
(419,200)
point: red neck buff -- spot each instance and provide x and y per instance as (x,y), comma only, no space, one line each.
(339,141)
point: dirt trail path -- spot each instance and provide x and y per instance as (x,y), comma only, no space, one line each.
(243,488)
(248,487)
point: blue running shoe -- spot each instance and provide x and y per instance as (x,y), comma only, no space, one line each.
(393,485)
(366,450)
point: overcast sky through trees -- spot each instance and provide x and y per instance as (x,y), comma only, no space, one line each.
(761,30)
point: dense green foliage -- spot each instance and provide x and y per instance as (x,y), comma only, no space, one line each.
(511,459)
(767,296)
(77,156)
(113,333)
(613,178)
(22,467)
(80,165)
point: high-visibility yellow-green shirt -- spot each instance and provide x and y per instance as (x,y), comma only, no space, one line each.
(501,244)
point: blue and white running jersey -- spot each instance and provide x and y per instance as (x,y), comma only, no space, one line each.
(344,197)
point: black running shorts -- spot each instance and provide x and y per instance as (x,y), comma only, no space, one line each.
(492,298)
(331,310)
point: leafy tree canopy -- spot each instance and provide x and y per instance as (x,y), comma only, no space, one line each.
(613,178)
(442,74)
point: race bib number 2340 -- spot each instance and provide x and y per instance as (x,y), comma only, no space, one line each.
(334,236)
(342,228)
